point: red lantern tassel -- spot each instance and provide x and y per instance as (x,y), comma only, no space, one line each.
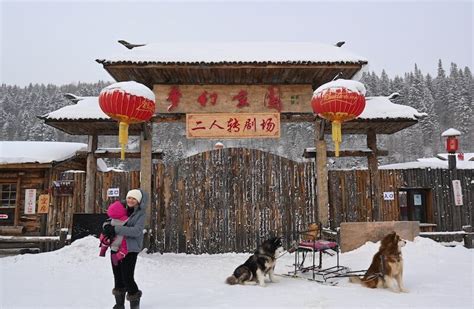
(336,135)
(123,138)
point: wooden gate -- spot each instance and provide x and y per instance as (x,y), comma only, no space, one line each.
(229,200)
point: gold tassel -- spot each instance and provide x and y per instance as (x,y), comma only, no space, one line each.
(336,135)
(123,138)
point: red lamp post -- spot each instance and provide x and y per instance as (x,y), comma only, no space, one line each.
(452,145)
(338,101)
(128,103)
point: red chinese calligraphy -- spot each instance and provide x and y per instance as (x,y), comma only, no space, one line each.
(173,97)
(198,127)
(203,98)
(214,124)
(233,124)
(272,98)
(268,125)
(213,97)
(242,98)
(250,124)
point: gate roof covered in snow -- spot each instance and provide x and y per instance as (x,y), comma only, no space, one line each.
(233,63)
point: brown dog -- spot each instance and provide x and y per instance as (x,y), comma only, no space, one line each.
(386,267)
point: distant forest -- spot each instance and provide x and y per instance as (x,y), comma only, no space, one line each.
(446,98)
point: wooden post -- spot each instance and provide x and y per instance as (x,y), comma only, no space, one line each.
(91,171)
(321,173)
(375,192)
(145,175)
(62,237)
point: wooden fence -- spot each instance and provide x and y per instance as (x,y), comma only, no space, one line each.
(229,199)
(60,214)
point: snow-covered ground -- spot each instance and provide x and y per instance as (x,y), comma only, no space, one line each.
(76,277)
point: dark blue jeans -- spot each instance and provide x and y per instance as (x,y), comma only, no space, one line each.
(124,273)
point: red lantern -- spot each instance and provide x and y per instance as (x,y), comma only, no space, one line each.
(338,101)
(128,103)
(452,144)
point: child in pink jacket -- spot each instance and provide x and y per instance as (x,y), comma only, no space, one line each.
(117,216)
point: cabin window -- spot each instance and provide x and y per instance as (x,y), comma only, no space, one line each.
(8,195)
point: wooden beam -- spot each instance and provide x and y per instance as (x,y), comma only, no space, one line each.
(321,173)
(16,220)
(376,193)
(131,154)
(146,168)
(91,171)
(310,153)
(26,166)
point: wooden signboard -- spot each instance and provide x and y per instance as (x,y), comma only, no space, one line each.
(236,125)
(233,98)
(43,204)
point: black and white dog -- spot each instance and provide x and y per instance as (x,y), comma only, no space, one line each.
(259,264)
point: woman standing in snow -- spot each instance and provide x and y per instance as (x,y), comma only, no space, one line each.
(132,231)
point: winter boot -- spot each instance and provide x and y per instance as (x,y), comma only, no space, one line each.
(134,299)
(119,298)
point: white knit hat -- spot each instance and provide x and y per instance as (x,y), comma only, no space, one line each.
(136,194)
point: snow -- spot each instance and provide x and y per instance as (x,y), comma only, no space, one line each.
(133,88)
(433,163)
(215,52)
(468,156)
(451,132)
(37,152)
(76,277)
(86,108)
(351,85)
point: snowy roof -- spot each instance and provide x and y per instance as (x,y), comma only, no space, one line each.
(14,152)
(37,152)
(433,163)
(468,156)
(237,53)
(86,108)
(451,132)
(382,108)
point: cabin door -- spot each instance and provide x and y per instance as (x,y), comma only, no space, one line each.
(415,205)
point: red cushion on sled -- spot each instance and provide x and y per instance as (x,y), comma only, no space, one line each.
(317,245)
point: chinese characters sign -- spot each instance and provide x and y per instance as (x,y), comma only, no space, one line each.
(233,98)
(43,204)
(236,125)
(30,201)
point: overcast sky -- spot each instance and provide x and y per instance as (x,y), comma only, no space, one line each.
(57,41)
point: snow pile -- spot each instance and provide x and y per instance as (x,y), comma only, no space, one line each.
(351,85)
(76,277)
(132,88)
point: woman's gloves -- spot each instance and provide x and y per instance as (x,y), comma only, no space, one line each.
(109,231)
